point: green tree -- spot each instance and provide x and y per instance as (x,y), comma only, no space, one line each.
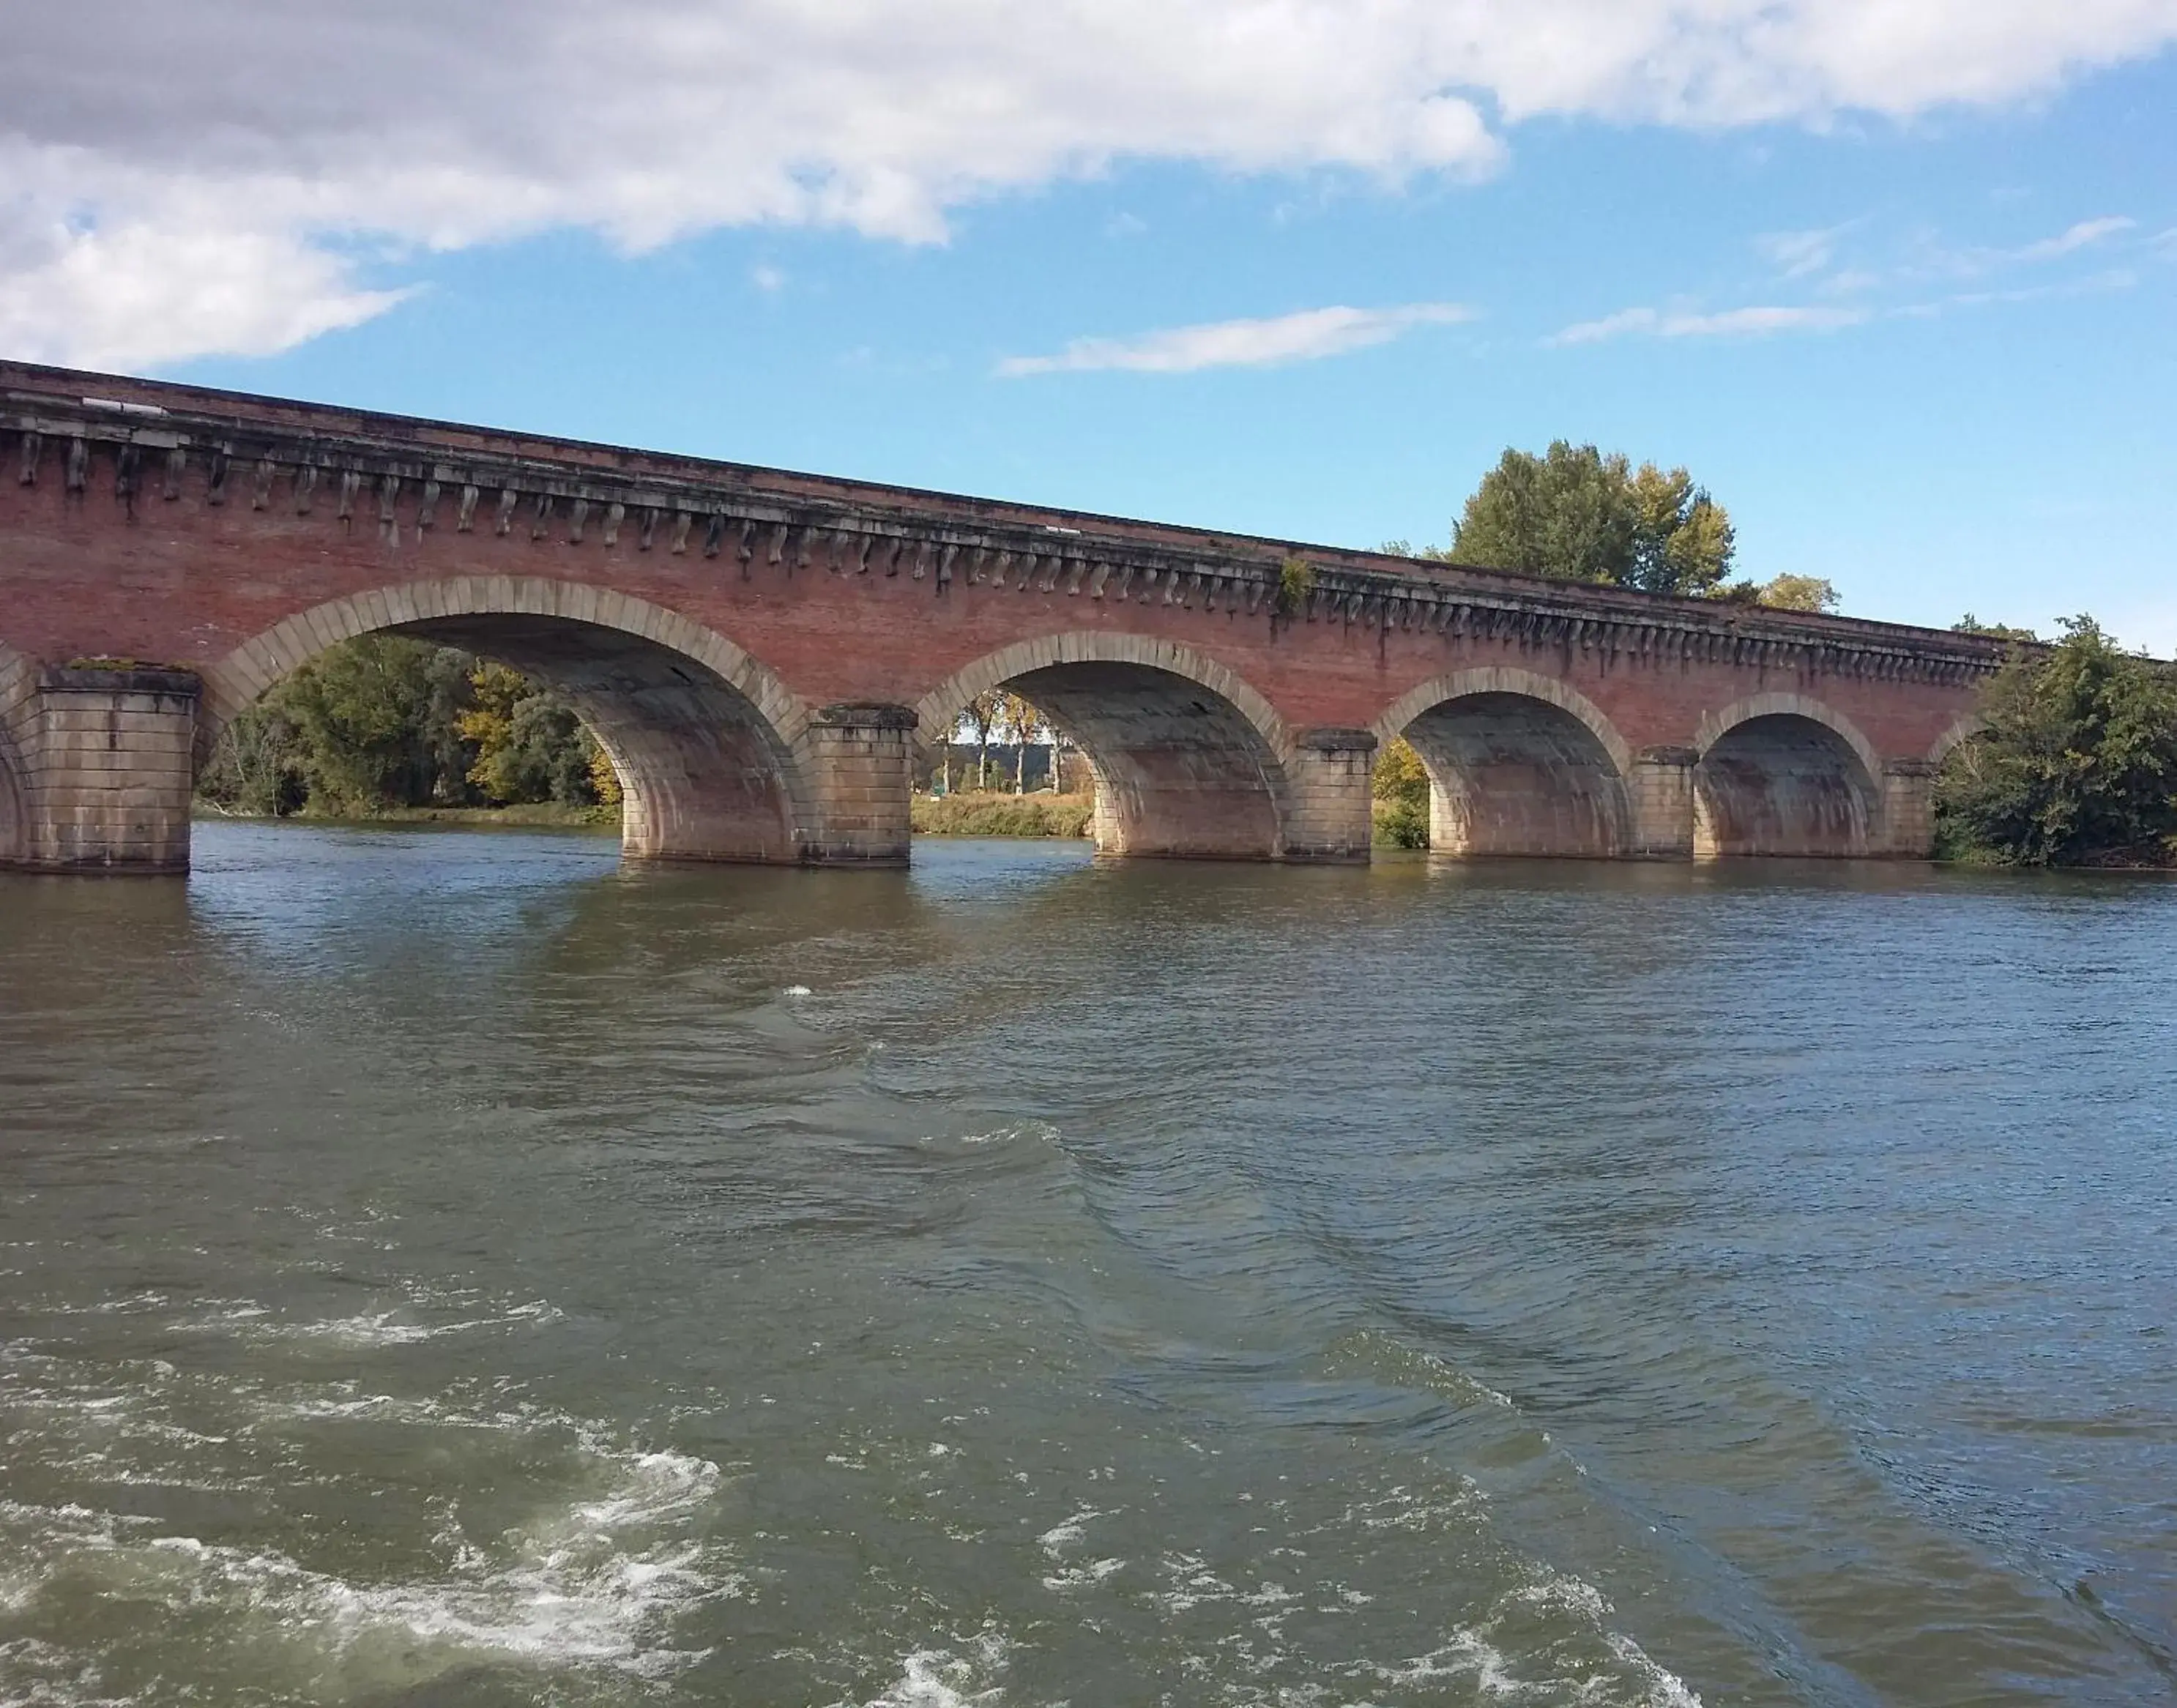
(604,777)
(1683,540)
(377,723)
(1401,788)
(530,746)
(1575,513)
(382,721)
(1971,625)
(1026,724)
(2076,760)
(256,766)
(1787,593)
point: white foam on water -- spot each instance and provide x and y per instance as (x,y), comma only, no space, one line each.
(51,1675)
(1666,1689)
(249,1320)
(797,991)
(941,1678)
(1011,1134)
(1061,1537)
(1083,1576)
(1465,1654)
(595,1585)
(1475,1651)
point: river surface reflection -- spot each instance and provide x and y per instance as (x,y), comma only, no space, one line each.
(451,1268)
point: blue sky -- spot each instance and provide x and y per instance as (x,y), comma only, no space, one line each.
(1918,342)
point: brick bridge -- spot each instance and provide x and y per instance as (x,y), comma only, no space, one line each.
(759,651)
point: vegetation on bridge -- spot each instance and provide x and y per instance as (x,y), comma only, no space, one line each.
(2076,764)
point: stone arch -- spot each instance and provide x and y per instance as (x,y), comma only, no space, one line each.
(1968,725)
(1189,760)
(18,687)
(1783,773)
(710,746)
(1518,763)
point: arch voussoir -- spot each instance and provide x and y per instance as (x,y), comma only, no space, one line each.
(694,751)
(1716,725)
(1505,678)
(1174,777)
(1765,785)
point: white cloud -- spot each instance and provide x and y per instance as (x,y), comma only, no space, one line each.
(135,293)
(2085,233)
(2094,284)
(1729,323)
(178,134)
(1795,254)
(766,278)
(1306,337)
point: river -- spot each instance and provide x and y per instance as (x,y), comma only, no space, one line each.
(451,1268)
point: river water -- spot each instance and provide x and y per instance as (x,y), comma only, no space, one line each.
(447,1267)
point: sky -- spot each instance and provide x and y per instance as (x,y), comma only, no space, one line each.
(1893,278)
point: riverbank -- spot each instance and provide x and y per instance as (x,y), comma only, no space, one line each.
(991,814)
(1003,814)
(536,815)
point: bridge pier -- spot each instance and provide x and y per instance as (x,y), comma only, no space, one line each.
(1908,808)
(1661,794)
(859,760)
(1330,818)
(106,761)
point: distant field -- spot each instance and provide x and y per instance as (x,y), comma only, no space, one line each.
(1003,814)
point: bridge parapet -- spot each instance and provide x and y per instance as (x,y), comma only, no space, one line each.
(150,442)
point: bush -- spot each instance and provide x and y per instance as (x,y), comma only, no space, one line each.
(2076,764)
(1401,789)
(1401,824)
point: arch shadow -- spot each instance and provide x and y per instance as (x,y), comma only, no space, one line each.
(1189,760)
(708,743)
(1518,764)
(1784,774)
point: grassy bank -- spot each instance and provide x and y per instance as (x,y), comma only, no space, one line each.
(548,815)
(1003,814)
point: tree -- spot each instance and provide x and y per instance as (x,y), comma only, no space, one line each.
(604,775)
(529,745)
(983,715)
(255,766)
(1401,788)
(1025,724)
(2076,760)
(1575,514)
(1683,540)
(382,721)
(376,723)
(1971,625)
(1784,593)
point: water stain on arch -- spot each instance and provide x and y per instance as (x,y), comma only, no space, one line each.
(1189,761)
(703,737)
(18,686)
(14,812)
(1518,764)
(1782,774)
